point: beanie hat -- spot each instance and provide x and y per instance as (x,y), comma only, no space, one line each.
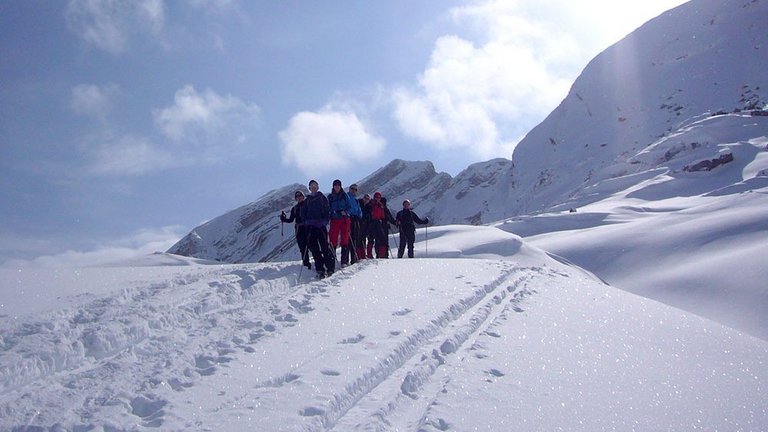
(298,194)
(337,182)
(407,202)
(312,181)
(377,195)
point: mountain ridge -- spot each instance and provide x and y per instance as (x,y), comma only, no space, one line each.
(696,61)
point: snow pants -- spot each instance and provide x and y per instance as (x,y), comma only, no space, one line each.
(302,236)
(407,237)
(380,231)
(317,241)
(340,231)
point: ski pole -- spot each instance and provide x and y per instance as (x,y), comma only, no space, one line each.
(393,237)
(303,257)
(426,241)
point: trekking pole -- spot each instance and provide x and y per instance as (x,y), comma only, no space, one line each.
(426,241)
(303,257)
(336,260)
(396,242)
(390,246)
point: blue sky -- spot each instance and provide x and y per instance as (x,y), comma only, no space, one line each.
(124,124)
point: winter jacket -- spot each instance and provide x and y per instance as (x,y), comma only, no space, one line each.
(407,219)
(339,202)
(295,215)
(355,210)
(379,211)
(316,210)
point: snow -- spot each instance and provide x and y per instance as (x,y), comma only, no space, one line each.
(487,333)
(643,310)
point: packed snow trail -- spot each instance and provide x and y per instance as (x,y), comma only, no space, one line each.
(424,344)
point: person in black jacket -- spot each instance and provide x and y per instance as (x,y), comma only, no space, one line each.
(299,228)
(364,237)
(406,219)
(316,213)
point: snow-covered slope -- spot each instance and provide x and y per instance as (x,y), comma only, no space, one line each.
(504,338)
(692,239)
(703,57)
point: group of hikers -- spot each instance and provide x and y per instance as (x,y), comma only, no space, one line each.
(358,225)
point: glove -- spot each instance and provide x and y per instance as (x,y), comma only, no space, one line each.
(282,216)
(426,220)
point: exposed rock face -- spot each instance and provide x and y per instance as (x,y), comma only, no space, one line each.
(246,234)
(710,164)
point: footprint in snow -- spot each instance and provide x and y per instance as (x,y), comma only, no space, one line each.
(330,372)
(311,411)
(497,373)
(178,385)
(150,410)
(300,307)
(353,340)
(402,312)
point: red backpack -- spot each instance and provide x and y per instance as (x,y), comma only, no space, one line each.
(377,211)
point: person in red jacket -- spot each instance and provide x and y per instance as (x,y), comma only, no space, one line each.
(406,220)
(380,219)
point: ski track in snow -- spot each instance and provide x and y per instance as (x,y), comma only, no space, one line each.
(404,403)
(166,338)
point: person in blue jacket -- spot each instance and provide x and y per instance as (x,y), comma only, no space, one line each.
(340,220)
(355,231)
(316,213)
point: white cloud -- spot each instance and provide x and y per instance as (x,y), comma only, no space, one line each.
(141,243)
(479,97)
(319,142)
(514,62)
(210,127)
(93,100)
(109,24)
(207,113)
(129,155)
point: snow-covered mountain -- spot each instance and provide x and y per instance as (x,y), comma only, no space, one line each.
(701,58)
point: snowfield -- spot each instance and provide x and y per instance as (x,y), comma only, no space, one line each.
(488,333)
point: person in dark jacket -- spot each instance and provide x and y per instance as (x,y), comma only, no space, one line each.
(316,213)
(380,219)
(388,221)
(299,228)
(361,240)
(355,218)
(406,220)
